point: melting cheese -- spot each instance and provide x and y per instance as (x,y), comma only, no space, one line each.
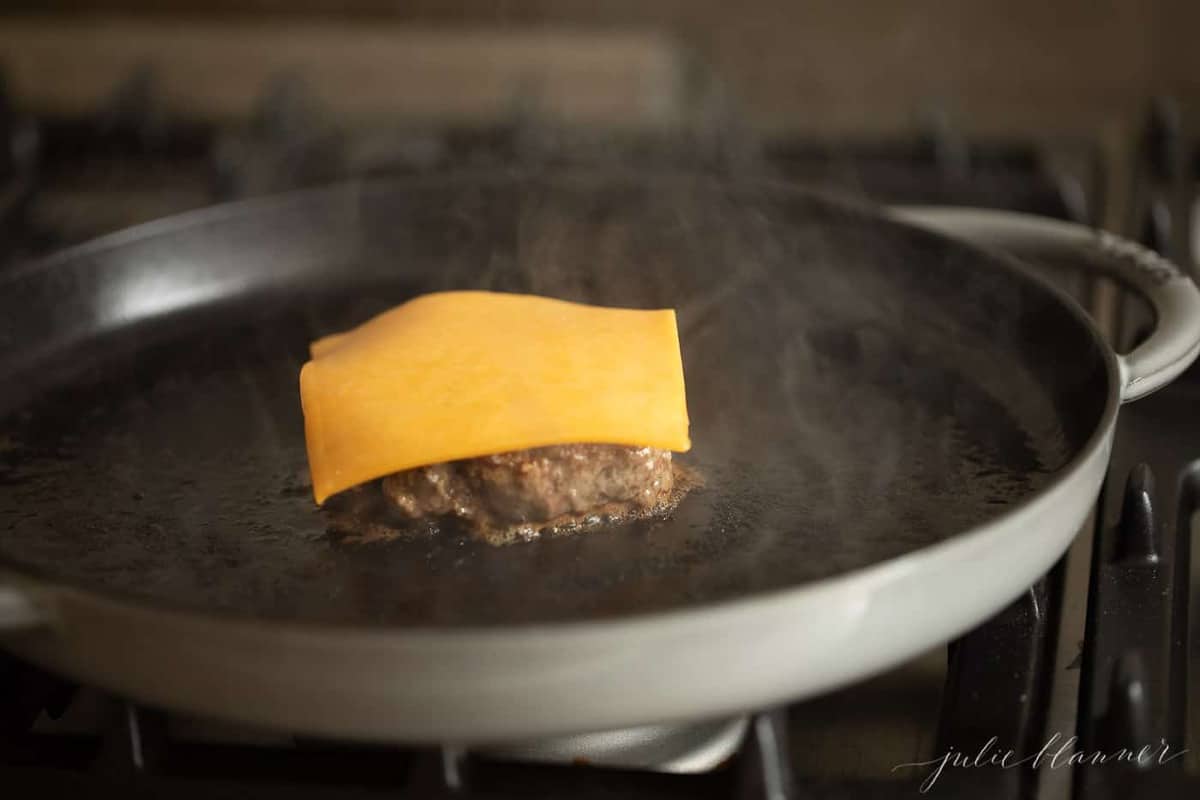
(465,374)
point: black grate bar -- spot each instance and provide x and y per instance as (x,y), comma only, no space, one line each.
(1132,660)
(997,692)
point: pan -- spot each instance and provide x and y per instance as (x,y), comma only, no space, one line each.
(897,433)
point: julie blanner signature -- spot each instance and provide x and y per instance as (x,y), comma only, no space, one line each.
(1057,752)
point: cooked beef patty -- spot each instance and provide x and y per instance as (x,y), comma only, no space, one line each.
(520,493)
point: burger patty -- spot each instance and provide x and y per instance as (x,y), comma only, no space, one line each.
(518,494)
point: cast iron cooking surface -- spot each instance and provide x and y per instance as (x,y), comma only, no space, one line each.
(858,390)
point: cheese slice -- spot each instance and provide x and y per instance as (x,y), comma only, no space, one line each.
(465,374)
(326,343)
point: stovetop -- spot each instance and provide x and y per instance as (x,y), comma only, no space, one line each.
(1098,650)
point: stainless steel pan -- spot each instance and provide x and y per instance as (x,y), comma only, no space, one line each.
(899,432)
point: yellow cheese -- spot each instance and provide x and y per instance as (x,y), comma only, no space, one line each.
(326,343)
(465,374)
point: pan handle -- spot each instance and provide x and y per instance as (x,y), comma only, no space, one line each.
(1175,341)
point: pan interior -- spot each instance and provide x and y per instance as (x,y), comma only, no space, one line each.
(858,390)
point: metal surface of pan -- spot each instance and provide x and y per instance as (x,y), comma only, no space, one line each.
(866,398)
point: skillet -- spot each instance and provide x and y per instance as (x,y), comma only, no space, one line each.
(898,433)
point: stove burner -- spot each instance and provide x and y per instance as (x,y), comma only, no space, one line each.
(688,748)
